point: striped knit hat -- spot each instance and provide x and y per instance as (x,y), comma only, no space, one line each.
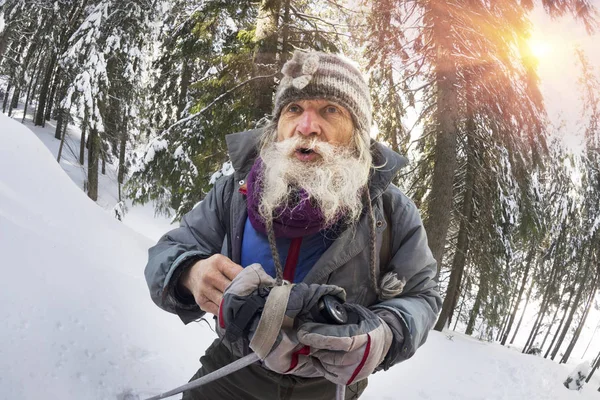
(317,75)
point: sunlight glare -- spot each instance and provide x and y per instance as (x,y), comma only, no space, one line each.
(539,48)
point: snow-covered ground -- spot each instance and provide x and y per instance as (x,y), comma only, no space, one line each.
(139,218)
(79,323)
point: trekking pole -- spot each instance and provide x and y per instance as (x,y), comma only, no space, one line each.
(340,391)
(221,372)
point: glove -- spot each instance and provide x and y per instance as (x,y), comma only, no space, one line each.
(351,352)
(241,308)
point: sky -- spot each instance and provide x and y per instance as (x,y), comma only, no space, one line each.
(556,41)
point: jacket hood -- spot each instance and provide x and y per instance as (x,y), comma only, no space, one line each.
(243,150)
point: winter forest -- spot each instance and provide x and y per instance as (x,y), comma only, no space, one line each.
(512,213)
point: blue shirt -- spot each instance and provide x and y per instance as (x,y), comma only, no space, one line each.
(256,249)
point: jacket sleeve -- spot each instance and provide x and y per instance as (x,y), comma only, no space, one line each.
(412,314)
(199,236)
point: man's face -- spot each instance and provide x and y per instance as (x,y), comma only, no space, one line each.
(316,150)
(320,120)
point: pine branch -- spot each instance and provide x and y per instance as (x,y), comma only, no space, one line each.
(216,100)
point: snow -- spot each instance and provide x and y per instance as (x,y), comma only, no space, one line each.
(140,218)
(78,320)
(226,170)
(79,323)
(576,379)
(154,147)
(463,368)
(178,153)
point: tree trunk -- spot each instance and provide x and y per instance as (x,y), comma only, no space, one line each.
(14,103)
(122,149)
(569,320)
(265,56)
(553,319)
(513,300)
(395,131)
(523,313)
(446,120)
(4,40)
(462,304)
(595,366)
(560,325)
(58,130)
(34,90)
(53,92)
(481,294)
(513,314)
(93,156)
(40,115)
(15,99)
(462,245)
(62,120)
(6,96)
(575,338)
(544,306)
(103,161)
(504,325)
(538,321)
(23,67)
(285,34)
(32,83)
(15,78)
(82,143)
(551,324)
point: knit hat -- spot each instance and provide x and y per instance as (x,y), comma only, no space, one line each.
(317,75)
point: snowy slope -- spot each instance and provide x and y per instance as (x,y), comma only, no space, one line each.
(77,319)
(140,218)
(464,368)
(79,323)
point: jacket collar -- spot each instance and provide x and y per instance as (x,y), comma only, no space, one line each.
(243,150)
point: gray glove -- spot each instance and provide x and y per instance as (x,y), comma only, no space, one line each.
(351,352)
(241,308)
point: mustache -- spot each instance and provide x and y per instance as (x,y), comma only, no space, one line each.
(326,150)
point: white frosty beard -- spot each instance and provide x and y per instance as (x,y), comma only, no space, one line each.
(333,182)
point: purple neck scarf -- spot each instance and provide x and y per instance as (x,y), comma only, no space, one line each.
(295,221)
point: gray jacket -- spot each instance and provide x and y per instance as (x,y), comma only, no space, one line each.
(216,225)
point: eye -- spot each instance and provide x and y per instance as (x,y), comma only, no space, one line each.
(331,109)
(294,108)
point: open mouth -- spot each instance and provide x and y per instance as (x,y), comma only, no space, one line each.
(305,150)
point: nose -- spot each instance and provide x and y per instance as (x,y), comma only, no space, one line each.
(308,124)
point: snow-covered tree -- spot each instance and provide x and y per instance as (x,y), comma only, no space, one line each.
(103,62)
(217,68)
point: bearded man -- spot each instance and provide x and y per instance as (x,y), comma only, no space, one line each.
(311,203)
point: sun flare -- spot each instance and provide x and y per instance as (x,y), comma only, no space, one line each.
(539,48)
